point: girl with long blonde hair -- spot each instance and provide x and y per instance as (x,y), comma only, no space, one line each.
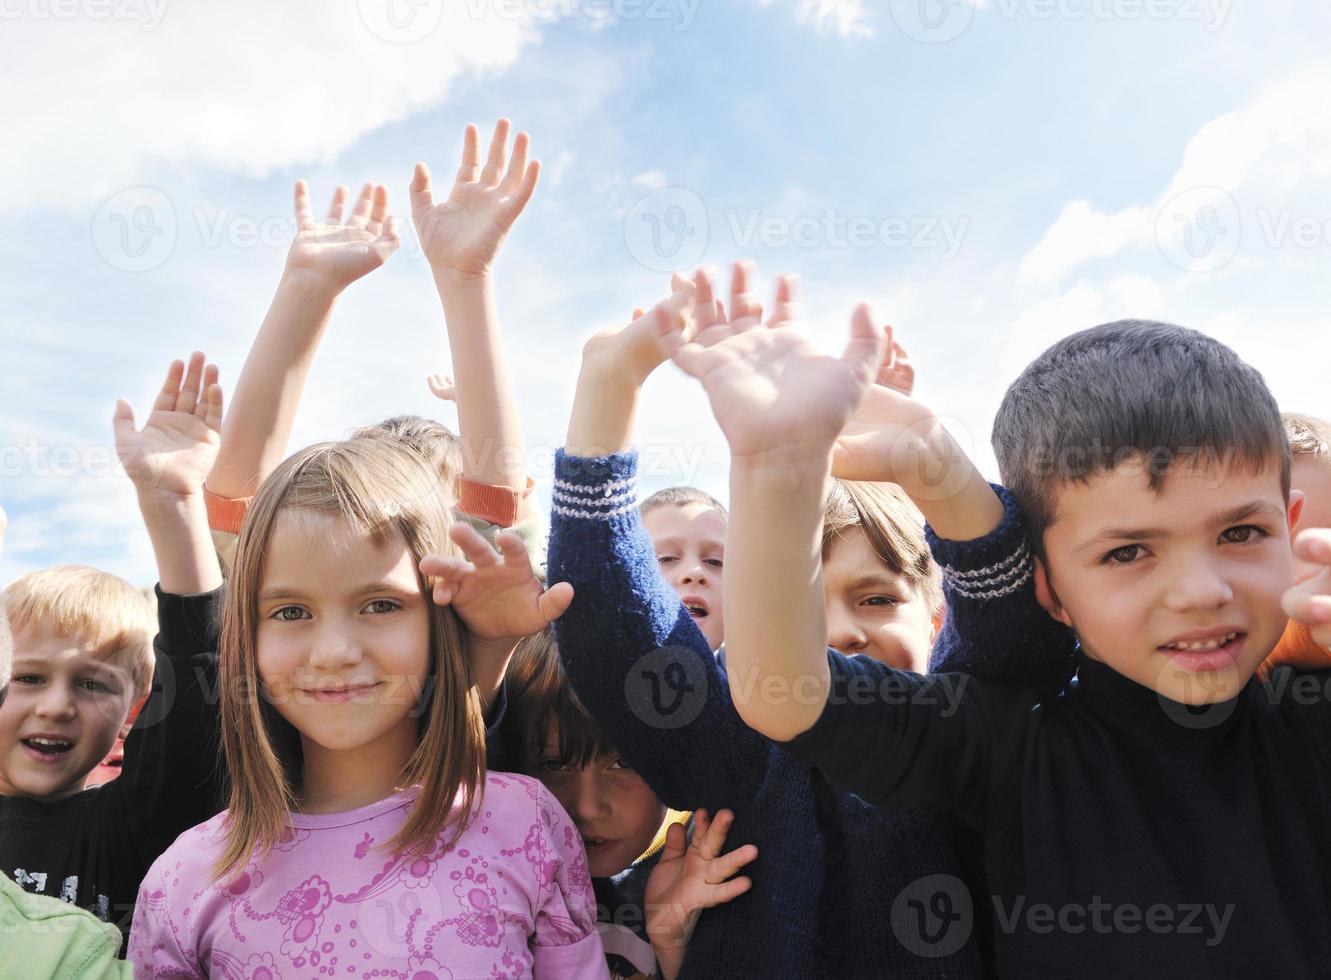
(364,837)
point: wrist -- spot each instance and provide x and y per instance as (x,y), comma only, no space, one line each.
(155,502)
(449,279)
(309,286)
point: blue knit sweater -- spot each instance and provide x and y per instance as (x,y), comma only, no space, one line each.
(839,886)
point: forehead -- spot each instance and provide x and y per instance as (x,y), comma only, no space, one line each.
(35,646)
(311,551)
(1189,498)
(851,559)
(694,521)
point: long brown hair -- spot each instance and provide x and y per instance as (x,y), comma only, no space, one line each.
(383,491)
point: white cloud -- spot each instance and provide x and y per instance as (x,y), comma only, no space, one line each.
(848,18)
(1238,165)
(652,180)
(246,86)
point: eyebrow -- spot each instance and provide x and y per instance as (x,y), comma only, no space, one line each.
(1236,515)
(276,592)
(877,579)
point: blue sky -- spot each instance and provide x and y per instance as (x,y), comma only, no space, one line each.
(1024,169)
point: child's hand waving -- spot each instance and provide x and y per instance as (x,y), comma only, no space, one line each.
(169,458)
(338,252)
(1309,602)
(462,234)
(778,399)
(690,878)
(498,596)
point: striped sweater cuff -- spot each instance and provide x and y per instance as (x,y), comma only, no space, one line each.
(991,567)
(595,488)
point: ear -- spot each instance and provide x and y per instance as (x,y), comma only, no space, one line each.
(1297,498)
(132,717)
(1047,597)
(936,626)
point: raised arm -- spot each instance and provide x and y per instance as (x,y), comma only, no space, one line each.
(325,258)
(781,404)
(461,237)
(168,460)
(636,658)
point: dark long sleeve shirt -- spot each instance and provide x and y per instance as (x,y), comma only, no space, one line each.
(1124,834)
(93,848)
(835,875)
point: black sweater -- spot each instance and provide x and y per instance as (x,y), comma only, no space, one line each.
(93,848)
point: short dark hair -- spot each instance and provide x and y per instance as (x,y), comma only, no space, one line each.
(678,497)
(1131,390)
(539,698)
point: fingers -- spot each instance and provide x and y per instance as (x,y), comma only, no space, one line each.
(517,167)
(422,196)
(669,330)
(743,306)
(212,401)
(709,311)
(1314,545)
(473,545)
(166,398)
(200,408)
(360,214)
(675,842)
(190,387)
(471,156)
(448,572)
(497,158)
(864,350)
(784,306)
(638,314)
(337,206)
(122,421)
(304,216)
(379,211)
(725,892)
(442,387)
(525,190)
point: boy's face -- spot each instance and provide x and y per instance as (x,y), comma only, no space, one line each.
(873,610)
(1178,591)
(1312,475)
(690,541)
(614,809)
(65,706)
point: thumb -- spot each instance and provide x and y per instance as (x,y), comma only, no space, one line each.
(123,419)
(675,844)
(554,601)
(867,344)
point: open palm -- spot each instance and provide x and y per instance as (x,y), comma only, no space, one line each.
(176,448)
(340,252)
(462,234)
(774,394)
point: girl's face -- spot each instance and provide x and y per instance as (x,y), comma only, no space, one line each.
(873,610)
(614,809)
(343,638)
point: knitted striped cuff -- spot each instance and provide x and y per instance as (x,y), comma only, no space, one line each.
(595,488)
(991,567)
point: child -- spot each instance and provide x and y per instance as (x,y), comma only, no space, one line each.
(830,864)
(355,749)
(83,657)
(688,530)
(624,825)
(1118,818)
(880,584)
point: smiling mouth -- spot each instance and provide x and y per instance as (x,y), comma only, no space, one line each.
(337,695)
(51,748)
(1202,646)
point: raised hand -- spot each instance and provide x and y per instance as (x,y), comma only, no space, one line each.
(498,596)
(688,879)
(1309,602)
(777,398)
(339,252)
(442,387)
(462,235)
(896,371)
(634,349)
(171,455)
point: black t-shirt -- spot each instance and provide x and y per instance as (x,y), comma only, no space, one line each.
(94,848)
(1124,834)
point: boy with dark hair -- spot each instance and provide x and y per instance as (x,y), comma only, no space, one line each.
(1119,818)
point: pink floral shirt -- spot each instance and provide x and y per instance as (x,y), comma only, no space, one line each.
(511,898)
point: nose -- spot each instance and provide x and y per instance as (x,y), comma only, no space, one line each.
(334,647)
(589,802)
(1198,584)
(693,571)
(843,631)
(55,703)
